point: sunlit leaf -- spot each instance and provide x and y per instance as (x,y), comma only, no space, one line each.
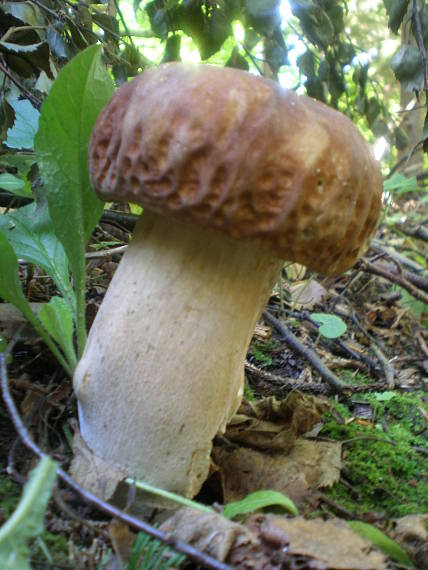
(21,135)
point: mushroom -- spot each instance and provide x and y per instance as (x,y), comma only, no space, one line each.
(235,174)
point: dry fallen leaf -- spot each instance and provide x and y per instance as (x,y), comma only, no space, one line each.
(307,294)
(209,532)
(309,465)
(275,424)
(331,542)
(411,532)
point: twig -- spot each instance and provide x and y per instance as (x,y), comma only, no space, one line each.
(105,252)
(282,382)
(90,498)
(401,280)
(34,100)
(335,383)
(386,365)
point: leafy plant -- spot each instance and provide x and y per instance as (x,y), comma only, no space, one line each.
(53,231)
(150,554)
(26,522)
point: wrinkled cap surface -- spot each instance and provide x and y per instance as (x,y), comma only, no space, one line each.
(237,153)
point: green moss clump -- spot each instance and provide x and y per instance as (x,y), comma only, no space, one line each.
(384,461)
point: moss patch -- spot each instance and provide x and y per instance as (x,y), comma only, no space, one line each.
(385,458)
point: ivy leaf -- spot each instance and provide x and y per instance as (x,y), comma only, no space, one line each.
(396,10)
(21,135)
(61,146)
(259,500)
(26,522)
(332,326)
(30,232)
(407,67)
(381,541)
(57,318)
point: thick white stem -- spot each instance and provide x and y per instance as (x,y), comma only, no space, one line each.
(163,367)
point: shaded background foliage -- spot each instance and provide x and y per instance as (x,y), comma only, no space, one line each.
(328,49)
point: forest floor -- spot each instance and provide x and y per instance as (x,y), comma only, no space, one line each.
(357,451)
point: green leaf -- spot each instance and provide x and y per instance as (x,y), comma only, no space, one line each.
(15,185)
(30,232)
(332,326)
(259,500)
(381,541)
(21,135)
(263,15)
(57,318)
(26,522)
(400,184)
(22,162)
(25,11)
(396,10)
(10,286)
(11,291)
(407,67)
(68,114)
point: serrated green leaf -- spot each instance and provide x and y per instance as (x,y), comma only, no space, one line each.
(15,185)
(381,541)
(57,318)
(26,522)
(21,135)
(332,326)
(30,232)
(259,500)
(61,146)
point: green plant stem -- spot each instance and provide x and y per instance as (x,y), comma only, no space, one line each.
(81,309)
(170,496)
(26,505)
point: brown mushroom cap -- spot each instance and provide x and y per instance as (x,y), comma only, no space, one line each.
(236,152)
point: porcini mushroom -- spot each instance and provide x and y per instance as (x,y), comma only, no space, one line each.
(235,174)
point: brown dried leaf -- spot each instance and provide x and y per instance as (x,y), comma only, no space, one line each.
(275,424)
(307,294)
(310,465)
(92,472)
(411,532)
(209,532)
(331,542)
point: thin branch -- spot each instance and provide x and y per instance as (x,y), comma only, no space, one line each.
(111,510)
(34,100)
(293,342)
(394,277)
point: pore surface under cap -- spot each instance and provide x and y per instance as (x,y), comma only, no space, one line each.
(236,152)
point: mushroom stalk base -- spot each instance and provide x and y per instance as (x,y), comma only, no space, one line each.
(163,368)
